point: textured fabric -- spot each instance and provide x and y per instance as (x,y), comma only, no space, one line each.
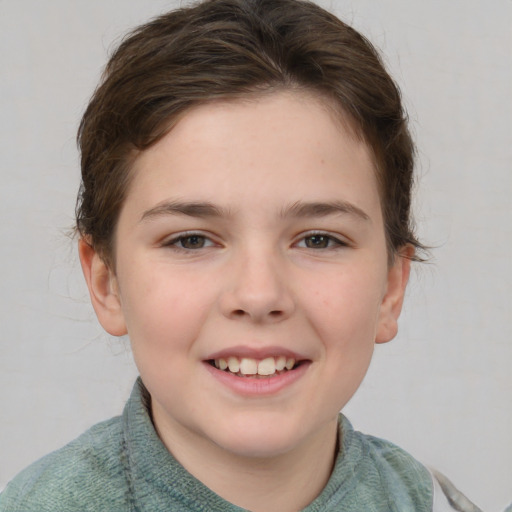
(121,465)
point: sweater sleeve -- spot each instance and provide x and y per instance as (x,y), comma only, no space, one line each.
(84,475)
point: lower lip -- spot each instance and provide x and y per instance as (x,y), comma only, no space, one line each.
(254,386)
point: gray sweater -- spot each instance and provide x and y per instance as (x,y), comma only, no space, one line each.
(121,465)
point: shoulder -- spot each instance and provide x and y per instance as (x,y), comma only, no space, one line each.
(408,484)
(395,463)
(86,474)
(393,477)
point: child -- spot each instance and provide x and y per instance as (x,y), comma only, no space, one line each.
(244,218)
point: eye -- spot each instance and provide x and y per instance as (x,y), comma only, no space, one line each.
(192,241)
(320,241)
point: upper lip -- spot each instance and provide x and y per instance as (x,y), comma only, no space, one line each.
(255,353)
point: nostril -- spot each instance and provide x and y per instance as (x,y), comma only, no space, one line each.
(240,313)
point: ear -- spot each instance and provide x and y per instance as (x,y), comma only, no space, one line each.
(391,306)
(103,289)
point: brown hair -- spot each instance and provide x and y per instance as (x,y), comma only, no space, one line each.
(227,49)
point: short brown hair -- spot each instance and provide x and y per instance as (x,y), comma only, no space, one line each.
(219,49)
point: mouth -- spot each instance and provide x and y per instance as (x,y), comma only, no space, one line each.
(256,368)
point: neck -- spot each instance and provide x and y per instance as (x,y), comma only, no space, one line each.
(283,483)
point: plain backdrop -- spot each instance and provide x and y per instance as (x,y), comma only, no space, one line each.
(442,389)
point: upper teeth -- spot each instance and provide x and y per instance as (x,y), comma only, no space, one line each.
(249,366)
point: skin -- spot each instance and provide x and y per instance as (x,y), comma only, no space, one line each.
(264,272)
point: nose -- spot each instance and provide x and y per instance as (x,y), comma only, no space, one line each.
(257,288)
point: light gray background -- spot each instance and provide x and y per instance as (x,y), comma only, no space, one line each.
(442,389)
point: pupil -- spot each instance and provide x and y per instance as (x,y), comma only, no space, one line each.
(317,241)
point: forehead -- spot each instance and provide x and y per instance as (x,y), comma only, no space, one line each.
(275,145)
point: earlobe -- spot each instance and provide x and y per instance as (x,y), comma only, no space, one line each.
(391,306)
(103,289)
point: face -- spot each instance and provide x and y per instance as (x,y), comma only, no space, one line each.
(251,274)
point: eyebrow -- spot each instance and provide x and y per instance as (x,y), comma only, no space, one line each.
(321,209)
(191,209)
(298,209)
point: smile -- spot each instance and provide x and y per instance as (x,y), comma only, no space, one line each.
(249,367)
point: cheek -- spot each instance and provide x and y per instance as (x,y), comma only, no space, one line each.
(348,302)
(163,308)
